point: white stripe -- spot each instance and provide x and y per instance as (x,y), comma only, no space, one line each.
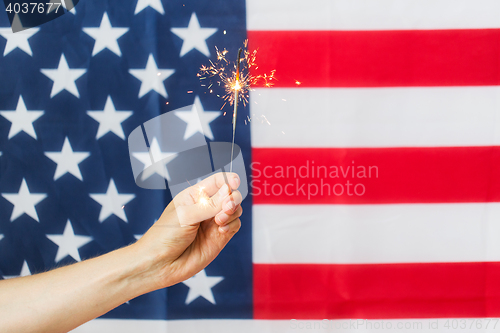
(122,326)
(372,14)
(366,234)
(375,117)
(290,326)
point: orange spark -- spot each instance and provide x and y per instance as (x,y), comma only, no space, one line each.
(225,74)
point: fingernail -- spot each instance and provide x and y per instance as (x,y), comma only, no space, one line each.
(230,206)
(224,229)
(224,191)
(237,181)
(222,218)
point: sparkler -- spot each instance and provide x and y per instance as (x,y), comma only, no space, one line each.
(238,83)
(237,88)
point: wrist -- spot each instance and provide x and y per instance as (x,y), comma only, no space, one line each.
(145,271)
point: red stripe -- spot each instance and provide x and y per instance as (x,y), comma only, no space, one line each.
(379,58)
(405,175)
(376,291)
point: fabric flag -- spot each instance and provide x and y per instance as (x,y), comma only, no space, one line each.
(372,158)
(72,91)
(375,185)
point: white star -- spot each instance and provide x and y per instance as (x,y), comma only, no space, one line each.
(63,4)
(198,120)
(110,120)
(201,285)
(155,4)
(112,202)
(106,36)
(18,39)
(25,271)
(152,78)
(64,77)
(159,161)
(67,160)
(69,243)
(194,37)
(21,119)
(24,202)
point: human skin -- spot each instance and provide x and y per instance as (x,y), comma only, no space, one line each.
(189,234)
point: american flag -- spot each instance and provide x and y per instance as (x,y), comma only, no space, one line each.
(372,159)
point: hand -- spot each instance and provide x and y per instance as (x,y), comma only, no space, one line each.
(190,233)
(193,229)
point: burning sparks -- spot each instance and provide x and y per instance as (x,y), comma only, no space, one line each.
(236,85)
(237,82)
(226,75)
(266,119)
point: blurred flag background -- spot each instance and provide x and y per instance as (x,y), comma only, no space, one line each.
(373,158)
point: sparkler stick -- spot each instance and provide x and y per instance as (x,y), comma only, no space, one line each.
(237,85)
(237,88)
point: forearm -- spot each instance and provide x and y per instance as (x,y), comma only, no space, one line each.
(170,252)
(62,299)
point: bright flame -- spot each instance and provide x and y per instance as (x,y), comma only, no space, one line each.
(225,74)
(237,85)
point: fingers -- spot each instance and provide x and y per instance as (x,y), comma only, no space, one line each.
(227,215)
(207,207)
(231,228)
(213,183)
(228,200)
(224,218)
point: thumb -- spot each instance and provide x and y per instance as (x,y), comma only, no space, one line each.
(206,207)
